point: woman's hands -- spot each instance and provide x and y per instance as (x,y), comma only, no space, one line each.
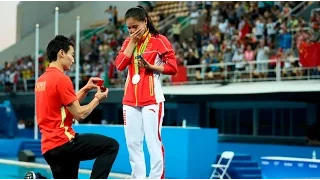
(136,36)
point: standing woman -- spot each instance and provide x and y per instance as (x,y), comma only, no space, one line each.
(147,54)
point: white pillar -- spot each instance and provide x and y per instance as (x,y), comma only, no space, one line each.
(77,75)
(36,59)
(56,22)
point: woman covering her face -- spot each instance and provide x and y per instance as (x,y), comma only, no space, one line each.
(148,55)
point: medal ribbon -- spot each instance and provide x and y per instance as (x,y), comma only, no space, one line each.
(139,52)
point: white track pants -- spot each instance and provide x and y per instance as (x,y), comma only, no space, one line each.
(140,122)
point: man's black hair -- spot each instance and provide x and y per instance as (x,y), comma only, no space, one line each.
(56,44)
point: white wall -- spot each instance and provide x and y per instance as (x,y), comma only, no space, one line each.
(89,12)
(42,12)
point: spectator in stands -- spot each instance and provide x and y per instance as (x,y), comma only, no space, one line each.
(197,37)
(110,14)
(249,57)
(14,77)
(238,58)
(223,27)
(210,62)
(274,59)
(285,39)
(231,14)
(301,36)
(191,58)
(261,6)
(254,11)
(286,9)
(292,23)
(230,31)
(215,38)
(176,30)
(26,75)
(259,31)
(271,30)
(194,15)
(115,16)
(240,9)
(214,17)
(290,63)
(216,64)
(208,7)
(223,24)
(262,59)
(227,54)
(2,80)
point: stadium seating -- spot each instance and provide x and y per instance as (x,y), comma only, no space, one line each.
(207,54)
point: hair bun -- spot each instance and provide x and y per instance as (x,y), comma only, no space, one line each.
(141,7)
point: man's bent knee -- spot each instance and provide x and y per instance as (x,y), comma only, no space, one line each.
(114,144)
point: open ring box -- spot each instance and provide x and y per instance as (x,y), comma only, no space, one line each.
(100,84)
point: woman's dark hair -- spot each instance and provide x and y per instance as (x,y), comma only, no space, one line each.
(56,44)
(140,14)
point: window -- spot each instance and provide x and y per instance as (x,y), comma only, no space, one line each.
(216,119)
(264,118)
(245,121)
(230,121)
(299,122)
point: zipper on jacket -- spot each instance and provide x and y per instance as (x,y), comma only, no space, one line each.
(135,93)
(151,85)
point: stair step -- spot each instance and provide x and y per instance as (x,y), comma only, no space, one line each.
(37,154)
(33,149)
(246,170)
(31,142)
(243,163)
(243,167)
(31,146)
(34,146)
(249,176)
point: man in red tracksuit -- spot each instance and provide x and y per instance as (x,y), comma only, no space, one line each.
(147,54)
(57,105)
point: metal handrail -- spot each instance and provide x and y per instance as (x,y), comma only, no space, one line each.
(290,12)
(312,11)
(266,61)
(95,30)
(164,22)
(278,71)
(185,23)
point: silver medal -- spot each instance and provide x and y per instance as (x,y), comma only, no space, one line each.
(135,79)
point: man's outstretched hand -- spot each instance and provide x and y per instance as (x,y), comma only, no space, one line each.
(93,83)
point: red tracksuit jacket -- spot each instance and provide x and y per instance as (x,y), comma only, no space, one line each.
(148,91)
